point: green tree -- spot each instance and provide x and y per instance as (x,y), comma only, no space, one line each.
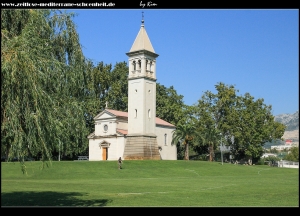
(98,79)
(105,85)
(184,135)
(293,154)
(171,108)
(254,126)
(42,84)
(169,105)
(209,137)
(118,91)
(274,150)
(246,124)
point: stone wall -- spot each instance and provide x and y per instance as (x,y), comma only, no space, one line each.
(141,148)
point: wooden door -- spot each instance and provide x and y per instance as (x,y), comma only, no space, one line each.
(104,153)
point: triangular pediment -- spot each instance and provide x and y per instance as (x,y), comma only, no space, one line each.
(104,143)
(104,115)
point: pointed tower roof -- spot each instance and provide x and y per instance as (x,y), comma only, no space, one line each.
(142,41)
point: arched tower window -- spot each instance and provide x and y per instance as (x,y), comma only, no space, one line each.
(166,139)
(134,65)
(149,113)
(140,64)
(135,113)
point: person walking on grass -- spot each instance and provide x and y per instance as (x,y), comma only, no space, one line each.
(120,162)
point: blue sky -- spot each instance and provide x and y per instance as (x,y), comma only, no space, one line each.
(257,51)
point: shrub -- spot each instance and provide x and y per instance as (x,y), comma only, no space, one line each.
(293,155)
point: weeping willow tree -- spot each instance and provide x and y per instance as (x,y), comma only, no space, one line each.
(42,85)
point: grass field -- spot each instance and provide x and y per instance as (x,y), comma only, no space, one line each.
(148,184)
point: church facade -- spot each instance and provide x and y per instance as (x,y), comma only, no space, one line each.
(137,134)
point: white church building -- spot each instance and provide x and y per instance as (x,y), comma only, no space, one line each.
(137,134)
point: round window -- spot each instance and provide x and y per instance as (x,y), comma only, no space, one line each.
(105,127)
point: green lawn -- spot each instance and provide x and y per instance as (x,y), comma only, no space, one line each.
(148,183)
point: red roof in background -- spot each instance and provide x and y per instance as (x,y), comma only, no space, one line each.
(124,132)
(288,142)
(125,114)
(163,122)
(118,113)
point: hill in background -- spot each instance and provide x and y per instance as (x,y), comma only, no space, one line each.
(291,121)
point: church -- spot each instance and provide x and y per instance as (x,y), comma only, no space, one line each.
(137,134)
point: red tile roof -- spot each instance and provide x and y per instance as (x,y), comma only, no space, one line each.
(124,132)
(118,113)
(125,114)
(163,122)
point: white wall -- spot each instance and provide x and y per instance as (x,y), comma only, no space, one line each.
(281,147)
(150,104)
(115,149)
(122,125)
(135,102)
(95,153)
(168,151)
(99,130)
(120,148)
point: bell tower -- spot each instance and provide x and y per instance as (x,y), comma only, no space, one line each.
(141,139)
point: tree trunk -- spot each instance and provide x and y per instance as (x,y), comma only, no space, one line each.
(210,153)
(7,151)
(186,153)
